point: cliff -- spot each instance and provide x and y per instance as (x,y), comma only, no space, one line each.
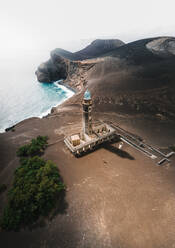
(114,197)
(57,67)
(136,77)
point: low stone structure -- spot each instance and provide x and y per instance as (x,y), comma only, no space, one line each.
(94,134)
(91,136)
(75,140)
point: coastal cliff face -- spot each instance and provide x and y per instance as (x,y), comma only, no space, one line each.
(133,87)
(138,76)
(52,70)
(58,66)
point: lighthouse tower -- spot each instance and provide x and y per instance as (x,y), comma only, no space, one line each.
(87,107)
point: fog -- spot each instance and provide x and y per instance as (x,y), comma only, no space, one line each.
(29,30)
(45,25)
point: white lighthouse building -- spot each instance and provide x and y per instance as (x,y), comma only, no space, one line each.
(87,108)
(91,135)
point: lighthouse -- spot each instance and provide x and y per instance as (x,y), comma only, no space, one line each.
(87,108)
(89,138)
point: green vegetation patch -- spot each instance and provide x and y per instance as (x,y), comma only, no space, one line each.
(35,191)
(3,187)
(36,188)
(36,147)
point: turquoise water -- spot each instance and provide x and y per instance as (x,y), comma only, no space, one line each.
(21,96)
(36,100)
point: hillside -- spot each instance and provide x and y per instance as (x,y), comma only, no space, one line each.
(96,48)
(114,197)
(57,66)
(137,77)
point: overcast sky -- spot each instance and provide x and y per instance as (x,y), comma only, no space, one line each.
(47,24)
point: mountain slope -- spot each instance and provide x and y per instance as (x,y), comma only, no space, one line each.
(57,66)
(134,78)
(137,77)
(98,48)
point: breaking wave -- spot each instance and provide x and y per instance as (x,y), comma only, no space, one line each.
(29,100)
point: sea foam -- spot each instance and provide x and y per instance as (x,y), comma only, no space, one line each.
(29,100)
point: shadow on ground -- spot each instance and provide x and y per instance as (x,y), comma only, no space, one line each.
(115,150)
(60,208)
(110,147)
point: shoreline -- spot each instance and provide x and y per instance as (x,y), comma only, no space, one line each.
(125,178)
(48,112)
(67,86)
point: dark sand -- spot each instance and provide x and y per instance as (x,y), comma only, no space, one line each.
(112,199)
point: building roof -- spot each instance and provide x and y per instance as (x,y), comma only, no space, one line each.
(75,137)
(87,95)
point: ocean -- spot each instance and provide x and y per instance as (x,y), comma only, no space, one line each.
(21,96)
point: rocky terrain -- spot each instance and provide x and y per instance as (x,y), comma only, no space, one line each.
(58,66)
(114,198)
(137,77)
